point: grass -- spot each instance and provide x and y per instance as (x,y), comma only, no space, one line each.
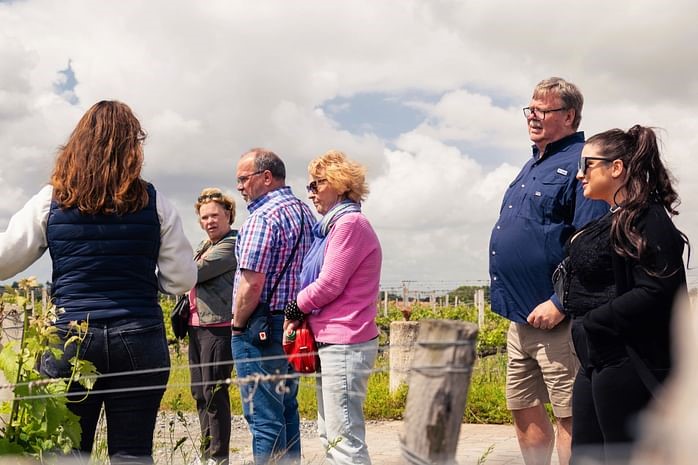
(486,401)
(486,398)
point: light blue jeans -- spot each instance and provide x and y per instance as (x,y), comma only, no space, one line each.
(270,408)
(341,391)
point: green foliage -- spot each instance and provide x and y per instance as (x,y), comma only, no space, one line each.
(467,293)
(39,423)
(380,403)
(486,397)
(167,303)
(492,337)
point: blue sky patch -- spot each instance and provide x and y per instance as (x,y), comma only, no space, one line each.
(65,86)
(383,114)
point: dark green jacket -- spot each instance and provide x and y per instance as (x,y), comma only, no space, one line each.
(214,285)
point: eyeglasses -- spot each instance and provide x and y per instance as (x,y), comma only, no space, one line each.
(243,179)
(584,163)
(312,187)
(214,196)
(538,113)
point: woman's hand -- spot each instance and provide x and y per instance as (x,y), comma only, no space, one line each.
(292,312)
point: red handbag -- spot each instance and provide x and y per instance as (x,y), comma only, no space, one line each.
(301,350)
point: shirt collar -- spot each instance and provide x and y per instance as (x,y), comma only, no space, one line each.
(559,145)
(263,199)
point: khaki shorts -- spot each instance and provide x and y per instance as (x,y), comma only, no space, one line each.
(541,367)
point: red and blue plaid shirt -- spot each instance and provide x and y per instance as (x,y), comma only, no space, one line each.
(266,239)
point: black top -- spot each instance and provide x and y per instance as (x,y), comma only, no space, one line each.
(591,281)
(640,315)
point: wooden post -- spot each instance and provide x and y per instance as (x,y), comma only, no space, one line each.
(455,304)
(438,389)
(480,303)
(403,335)
(446,300)
(44,300)
(32,302)
(385,303)
(433,301)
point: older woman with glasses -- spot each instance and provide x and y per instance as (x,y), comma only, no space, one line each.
(340,282)
(211,302)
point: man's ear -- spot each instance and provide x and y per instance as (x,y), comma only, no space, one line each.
(570,114)
(268,178)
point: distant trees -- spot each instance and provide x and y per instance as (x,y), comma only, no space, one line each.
(467,293)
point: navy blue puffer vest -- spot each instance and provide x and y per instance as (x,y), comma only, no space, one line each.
(104,265)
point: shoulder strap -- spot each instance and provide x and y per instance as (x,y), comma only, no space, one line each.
(643,371)
(293,253)
(623,276)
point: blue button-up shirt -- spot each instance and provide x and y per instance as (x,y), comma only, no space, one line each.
(541,209)
(266,240)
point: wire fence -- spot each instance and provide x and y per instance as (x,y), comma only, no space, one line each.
(254,379)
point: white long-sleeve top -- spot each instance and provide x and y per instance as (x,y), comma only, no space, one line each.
(24,242)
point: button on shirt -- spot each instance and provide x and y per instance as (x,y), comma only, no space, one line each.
(542,207)
(265,242)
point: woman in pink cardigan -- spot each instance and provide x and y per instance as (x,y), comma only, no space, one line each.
(340,284)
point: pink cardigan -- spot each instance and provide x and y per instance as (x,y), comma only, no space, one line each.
(346,292)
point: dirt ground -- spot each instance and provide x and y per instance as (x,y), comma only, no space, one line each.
(488,444)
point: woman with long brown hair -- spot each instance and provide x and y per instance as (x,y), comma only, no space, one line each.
(114,241)
(625,272)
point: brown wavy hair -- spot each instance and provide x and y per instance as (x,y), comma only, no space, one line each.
(99,169)
(647,181)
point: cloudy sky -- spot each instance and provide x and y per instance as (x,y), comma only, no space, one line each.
(427,94)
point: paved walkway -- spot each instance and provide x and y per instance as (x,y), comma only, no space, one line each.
(486,444)
(494,444)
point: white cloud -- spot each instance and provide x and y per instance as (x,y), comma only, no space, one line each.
(434,209)
(463,116)
(211,79)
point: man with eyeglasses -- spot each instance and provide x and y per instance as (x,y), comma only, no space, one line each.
(541,209)
(265,245)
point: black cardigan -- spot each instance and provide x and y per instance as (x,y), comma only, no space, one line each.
(640,315)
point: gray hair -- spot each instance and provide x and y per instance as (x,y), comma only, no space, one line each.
(267,160)
(570,95)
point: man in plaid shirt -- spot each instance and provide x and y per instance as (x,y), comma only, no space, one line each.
(265,242)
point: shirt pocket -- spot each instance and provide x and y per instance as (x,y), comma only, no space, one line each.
(544,202)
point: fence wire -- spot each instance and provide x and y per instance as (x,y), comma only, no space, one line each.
(254,379)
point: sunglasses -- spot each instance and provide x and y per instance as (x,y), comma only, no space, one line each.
(584,163)
(215,196)
(312,187)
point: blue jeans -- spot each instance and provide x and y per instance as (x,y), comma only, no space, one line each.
(341,391)
(270,408)
(116,346)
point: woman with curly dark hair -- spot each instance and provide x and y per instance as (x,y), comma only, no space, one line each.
(625,271)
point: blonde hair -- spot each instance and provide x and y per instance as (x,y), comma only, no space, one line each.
(345,176)
(214,194)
